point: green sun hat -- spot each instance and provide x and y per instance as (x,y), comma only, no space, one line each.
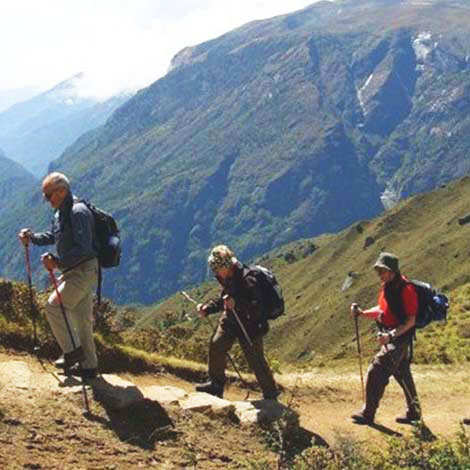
(387,261)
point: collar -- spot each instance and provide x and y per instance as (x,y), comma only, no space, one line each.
(67,203)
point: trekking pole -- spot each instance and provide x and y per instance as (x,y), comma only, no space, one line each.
(36,347)
(30,286)
(62,308)
(235,368)
(359,351)
(240,324)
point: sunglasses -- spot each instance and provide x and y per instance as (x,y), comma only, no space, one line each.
(48,196)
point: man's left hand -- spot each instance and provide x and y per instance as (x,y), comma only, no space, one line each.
(49,261)
(383,338)
(229,303)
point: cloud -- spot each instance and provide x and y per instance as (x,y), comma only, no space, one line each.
(117,43)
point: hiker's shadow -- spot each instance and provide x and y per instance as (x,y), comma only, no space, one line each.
(135,419)
(420,429)
(295,438)
(385,430)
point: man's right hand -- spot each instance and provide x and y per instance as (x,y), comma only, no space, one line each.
(25,236)
(201,309)
(356,311)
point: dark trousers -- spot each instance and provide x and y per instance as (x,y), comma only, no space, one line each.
(221,343)
(391,360)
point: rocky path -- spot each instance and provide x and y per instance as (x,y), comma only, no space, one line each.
(157,421)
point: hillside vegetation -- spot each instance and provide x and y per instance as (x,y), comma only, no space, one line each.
(423,230)
(279,130)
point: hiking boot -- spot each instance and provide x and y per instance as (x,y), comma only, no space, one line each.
(60,362)
(466,421)
(272,395)
(85,374)
(88,375)
(361,418)
(409,418)
(211,387)
(73,357)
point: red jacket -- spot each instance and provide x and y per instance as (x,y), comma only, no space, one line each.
(410,305)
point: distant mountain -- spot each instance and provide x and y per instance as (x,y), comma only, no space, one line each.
(15,200)
(13,96)
(279,130)
(36,131)
(14,180)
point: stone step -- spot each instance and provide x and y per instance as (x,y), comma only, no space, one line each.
(116,393)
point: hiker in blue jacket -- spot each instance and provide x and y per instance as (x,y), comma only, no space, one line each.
(72,233)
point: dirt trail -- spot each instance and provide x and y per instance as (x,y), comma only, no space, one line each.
(46,427)
(325,400)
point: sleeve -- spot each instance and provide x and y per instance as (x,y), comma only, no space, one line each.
(82,233)
(215,305)
(410,300)
(43,238)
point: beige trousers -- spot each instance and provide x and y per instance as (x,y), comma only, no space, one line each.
(76,290)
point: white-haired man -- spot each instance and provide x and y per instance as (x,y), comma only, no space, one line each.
(72,232)
(241,301)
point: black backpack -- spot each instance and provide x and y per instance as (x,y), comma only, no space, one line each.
(432,305)
(107,241)
(272,293)
(107,238)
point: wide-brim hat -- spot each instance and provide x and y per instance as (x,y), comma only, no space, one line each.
(387,261)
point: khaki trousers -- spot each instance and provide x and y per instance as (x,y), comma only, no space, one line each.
(391,360)
(76,290)
(223,340)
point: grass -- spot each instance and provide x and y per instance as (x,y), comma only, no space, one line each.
(413,452)
(317,328)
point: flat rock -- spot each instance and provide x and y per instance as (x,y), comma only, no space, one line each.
(165,395)
(16,375)
(206,403)
(264,412)
(115,392)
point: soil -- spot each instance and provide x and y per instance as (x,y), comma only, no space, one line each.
(41,427)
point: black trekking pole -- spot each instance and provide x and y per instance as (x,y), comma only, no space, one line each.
(31,301)
(235,368)
(62,308)
(359,351)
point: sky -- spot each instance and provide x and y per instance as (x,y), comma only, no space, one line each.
(118,44)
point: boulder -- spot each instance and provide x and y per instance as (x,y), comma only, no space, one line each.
(464,220)
(114,392)
(368,242)
(165,395)
(264,412)
(208,404)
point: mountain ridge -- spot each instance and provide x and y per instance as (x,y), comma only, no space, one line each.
(280,130)
(37,130)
